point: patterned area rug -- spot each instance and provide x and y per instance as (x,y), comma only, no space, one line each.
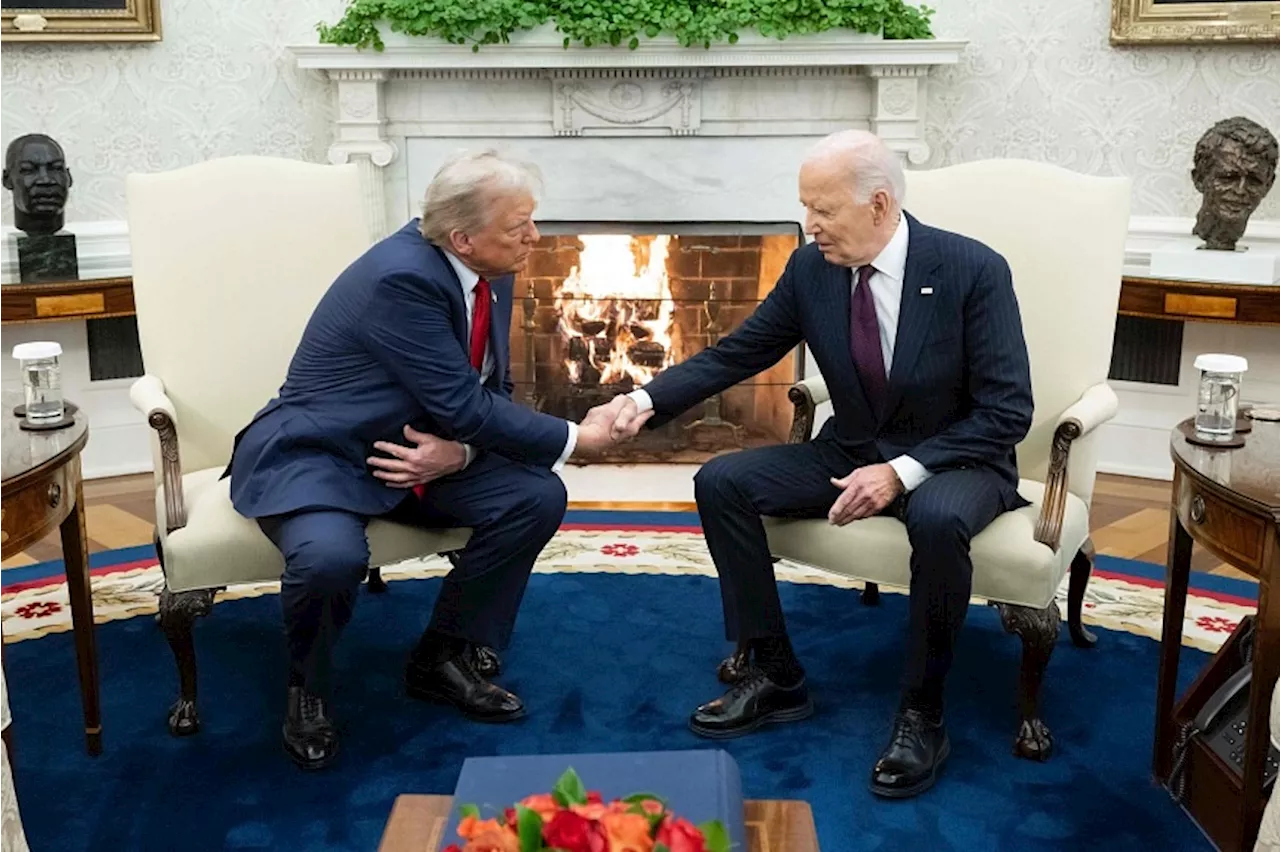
(1123,595)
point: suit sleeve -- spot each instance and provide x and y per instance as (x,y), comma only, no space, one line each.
(761,341)
(998,377)
(408,329)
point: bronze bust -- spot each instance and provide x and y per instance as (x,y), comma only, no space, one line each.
(1234,169)
(35,170)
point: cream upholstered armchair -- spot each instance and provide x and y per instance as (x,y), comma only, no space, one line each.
(1063,235)
(229,259)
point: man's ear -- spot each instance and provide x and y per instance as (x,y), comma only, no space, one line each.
(6,181)
(70,179)
(460,243)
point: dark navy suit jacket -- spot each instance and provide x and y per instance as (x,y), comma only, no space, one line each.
(960,384)
(387,345)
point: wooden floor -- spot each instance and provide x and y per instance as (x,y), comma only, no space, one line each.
(1130,519)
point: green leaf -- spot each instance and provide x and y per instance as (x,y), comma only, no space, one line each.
(570,789)
(661,847)
(469,811)
(529,827)
(716,836)
(646,797)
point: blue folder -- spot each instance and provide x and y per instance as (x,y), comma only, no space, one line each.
(697,785)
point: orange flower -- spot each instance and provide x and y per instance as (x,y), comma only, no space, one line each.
(627,832)
(493,840)
(544,804)
(469,826)
(592,810)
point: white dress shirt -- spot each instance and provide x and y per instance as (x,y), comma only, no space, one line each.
(469,278)
(886,291)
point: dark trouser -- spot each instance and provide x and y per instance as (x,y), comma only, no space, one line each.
(513,511)
(794,480)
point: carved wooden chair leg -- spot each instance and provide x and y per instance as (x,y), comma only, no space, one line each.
(1081,568)
(377,585)
(871,594)
(734,667)
(178,612)
(1038,629)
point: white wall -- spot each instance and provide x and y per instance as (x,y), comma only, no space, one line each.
(1039,81)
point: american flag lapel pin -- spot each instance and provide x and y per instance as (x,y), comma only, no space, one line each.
(494,296)
(926,291)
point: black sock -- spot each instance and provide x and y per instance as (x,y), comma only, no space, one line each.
(435,647)
(776,659)
(927,698)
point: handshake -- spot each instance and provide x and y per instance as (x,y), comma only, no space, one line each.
(605,425)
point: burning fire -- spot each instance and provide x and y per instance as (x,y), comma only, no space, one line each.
(616,310)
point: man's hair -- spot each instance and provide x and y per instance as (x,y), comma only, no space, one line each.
(871,164)
(1250,136)
(462,192)
(15,147)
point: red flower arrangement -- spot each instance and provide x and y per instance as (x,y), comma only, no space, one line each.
(572,819)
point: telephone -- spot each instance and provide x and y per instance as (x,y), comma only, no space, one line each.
(1221,723)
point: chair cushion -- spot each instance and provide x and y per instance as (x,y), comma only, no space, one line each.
(219,546)
(1009,565)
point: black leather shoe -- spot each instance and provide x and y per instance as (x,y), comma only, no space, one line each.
(909,765)
(310,739)
(486,661)
(455,681)
(754,701)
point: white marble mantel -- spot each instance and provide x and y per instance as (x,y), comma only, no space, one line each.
(419,91)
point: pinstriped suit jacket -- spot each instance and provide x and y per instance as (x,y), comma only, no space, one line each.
(960,385)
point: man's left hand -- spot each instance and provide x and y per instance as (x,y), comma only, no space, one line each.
(431,458)
(866,492)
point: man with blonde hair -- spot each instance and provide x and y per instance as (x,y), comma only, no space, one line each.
(918,335)
(398,404)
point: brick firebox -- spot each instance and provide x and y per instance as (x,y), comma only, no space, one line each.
(721,276)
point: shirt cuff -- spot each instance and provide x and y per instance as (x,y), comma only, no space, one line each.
(911,472)
(569,446)
(471,455)
(641,399)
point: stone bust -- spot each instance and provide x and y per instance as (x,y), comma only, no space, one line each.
(35,170)
(1234,169)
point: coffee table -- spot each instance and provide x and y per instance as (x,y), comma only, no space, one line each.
(773,825)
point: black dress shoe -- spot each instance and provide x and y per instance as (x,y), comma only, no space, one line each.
(310,739)
(754,701)
(455,681)
(909,765)
(486,661)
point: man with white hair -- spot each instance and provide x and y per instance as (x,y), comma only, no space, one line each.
(918,335)
(397,404)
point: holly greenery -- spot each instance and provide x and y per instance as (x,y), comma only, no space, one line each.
(616,22)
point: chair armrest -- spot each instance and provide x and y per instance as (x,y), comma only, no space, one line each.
(1095,406)
(806,395)
(149,397)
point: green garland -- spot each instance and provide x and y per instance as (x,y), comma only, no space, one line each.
(616,22)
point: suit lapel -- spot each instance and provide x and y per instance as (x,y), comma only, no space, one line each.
(499,327)
(459,312)
(915,314)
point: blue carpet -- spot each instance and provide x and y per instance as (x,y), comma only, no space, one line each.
(605,662)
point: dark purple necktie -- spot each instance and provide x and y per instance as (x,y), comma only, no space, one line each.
(864,337)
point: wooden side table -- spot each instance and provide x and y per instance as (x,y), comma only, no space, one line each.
(42,490)
(89,298)
(1228,501)
(417,822)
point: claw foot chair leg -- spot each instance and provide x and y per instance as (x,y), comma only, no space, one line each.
(1038,629)
(377,585)
(1081,568)
(178,612)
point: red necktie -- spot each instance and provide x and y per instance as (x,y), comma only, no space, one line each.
(479,340)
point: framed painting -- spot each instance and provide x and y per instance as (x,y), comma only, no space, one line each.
(1195,21)
(79,20)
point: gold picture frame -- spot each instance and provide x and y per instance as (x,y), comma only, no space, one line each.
(1195,21)
(86,21)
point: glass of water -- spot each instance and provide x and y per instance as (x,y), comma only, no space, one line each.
(41,381)
(1219,402)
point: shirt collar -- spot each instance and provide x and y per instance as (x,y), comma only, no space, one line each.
(892,259)
(469,278)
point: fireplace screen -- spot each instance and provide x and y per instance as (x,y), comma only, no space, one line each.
(603,308)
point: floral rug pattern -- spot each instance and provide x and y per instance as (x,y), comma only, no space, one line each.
(1112,602)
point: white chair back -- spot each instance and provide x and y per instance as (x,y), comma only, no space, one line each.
(1063,234)
(230,258)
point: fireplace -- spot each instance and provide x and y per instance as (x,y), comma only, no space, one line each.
(602,308)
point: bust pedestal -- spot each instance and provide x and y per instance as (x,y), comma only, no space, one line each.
(44,258)
(1248,264)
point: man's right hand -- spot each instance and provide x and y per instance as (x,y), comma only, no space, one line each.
(599,429)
